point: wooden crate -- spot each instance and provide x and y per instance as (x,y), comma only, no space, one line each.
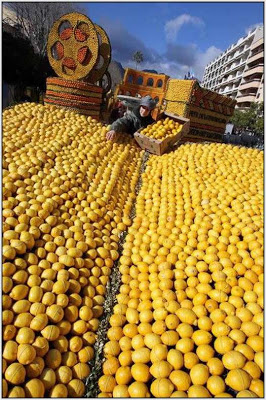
(208,111)
(159,147)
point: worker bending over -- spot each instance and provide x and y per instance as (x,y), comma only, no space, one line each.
(139,117)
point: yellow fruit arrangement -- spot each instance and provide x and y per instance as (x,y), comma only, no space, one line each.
(162,129)
(188,321)
(189,316)
(67,196)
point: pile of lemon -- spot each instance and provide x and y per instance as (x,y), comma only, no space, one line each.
(67,196)
(162,129)
(189,316)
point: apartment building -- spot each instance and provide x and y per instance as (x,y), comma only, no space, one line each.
(238,71)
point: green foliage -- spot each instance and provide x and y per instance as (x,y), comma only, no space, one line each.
(259,127)
(252,119)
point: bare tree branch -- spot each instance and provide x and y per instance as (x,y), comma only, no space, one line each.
(36,19)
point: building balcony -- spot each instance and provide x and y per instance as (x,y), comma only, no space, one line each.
(235,78)
(256,51)
(226,92)
(255,84)
(258,69)
(236,55)
(241,108)
(238,66)
(230,91)
(246,98)
(232,68)
(256,44)
(256,57)
(240,54)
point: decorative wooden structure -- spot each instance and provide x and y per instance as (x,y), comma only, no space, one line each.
(141,83)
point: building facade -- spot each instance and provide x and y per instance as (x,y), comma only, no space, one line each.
(238,71)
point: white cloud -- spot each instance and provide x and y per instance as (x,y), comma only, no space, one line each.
(173,26)
(166,67)
(171,69)
(251,27)
(189,58)
(176,68)
(204,58)
(176,61)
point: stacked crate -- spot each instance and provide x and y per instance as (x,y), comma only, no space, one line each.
(82,97)
(208,111)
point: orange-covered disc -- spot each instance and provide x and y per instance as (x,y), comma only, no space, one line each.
(73,46)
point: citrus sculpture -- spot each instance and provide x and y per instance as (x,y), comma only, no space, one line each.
(104,56)
(79,52)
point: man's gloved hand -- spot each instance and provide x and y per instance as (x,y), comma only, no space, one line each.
(111,135)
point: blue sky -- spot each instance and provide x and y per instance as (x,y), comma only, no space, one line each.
(173,36)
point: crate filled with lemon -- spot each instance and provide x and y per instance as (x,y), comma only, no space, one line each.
(162,135)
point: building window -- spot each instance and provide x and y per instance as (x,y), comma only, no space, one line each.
(159,83)
(156,99)
(140,80)
(150,82)
(130,79)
